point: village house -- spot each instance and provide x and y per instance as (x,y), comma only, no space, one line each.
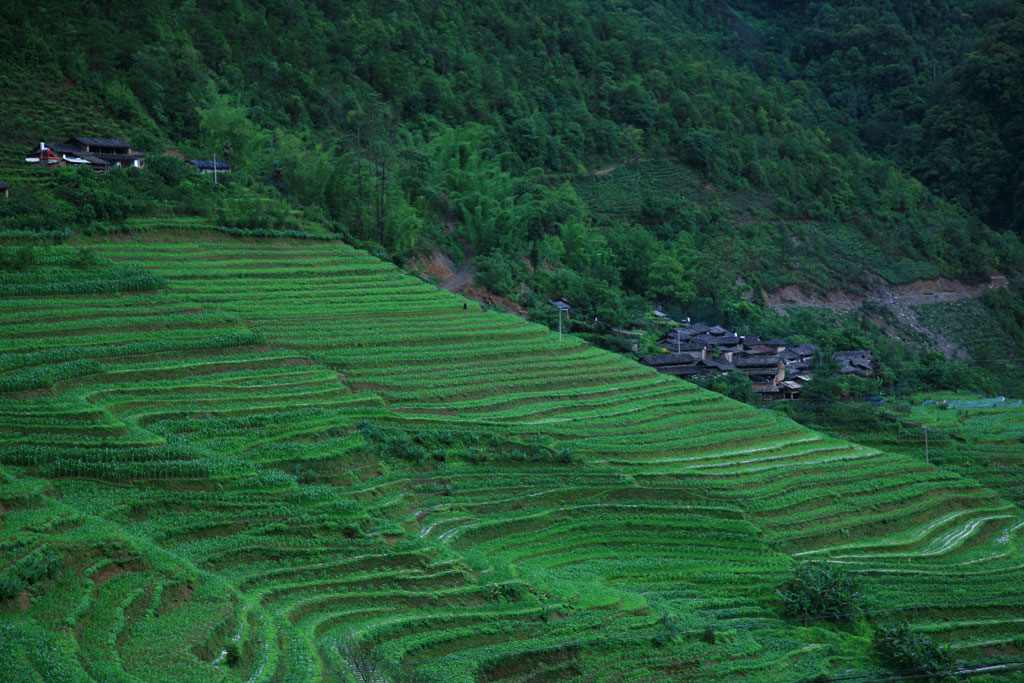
(5,189)
(99,153)
(855,363)
(676,364)
(699,340)
(777,369)
(210,166)
(561,304)
(765,371)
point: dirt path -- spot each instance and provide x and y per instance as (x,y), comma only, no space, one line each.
(461,276)
(916,293)
(608,169)
(442,271)
(899,298)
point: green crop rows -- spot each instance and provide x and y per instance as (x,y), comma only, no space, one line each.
(281,459)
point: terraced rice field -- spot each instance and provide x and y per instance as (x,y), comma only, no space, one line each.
(296,463)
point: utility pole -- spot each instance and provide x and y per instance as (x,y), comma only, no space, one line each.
(214,169)
(562,307)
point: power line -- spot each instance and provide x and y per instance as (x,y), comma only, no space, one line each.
(675,632)
(917,673)
(975,668)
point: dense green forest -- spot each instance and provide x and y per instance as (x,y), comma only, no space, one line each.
(689,154)
(936,86)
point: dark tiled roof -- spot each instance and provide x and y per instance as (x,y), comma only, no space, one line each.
(681,346)
(692,330)
(759,350)
(560,304)
(62,148)
(727,340)
(120,157)
(669,359)
(207,163)
(681,370)
(71,151)
(4,186)
(757,361)
(101,142)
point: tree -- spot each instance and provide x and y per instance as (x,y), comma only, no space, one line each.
(669,282)
(364,662)
(819,590)
(912,654)
(496,273)
(733,384)
(226,130)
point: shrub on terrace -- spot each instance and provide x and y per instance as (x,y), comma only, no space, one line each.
(17,258)
(912,654)
(818,590)
(733,384)
(35,566)
(366,664)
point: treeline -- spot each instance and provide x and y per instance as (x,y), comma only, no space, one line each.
(475,128)
(935,85)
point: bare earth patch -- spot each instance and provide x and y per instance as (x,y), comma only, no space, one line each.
(899,298)
(114,569)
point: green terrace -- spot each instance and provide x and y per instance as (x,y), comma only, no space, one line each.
(286,460)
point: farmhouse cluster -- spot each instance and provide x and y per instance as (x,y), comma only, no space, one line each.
(102,154)
(777,369)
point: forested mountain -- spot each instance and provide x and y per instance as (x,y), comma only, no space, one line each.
(691,154)
(937,86)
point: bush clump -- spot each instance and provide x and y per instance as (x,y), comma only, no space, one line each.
(819,590)
(912,654)
(37,565)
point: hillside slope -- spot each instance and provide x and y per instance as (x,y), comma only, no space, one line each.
(270,460)
(408,126)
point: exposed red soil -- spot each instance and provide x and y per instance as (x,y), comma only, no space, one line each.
(176,596)
(442,271)
(900,298)
(114,569)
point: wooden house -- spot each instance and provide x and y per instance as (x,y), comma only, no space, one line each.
(115,152)
(763,370)
(50,155)
(776,368)
(677,364)
(561,304)
(855,363)
(210,166)
(99,153)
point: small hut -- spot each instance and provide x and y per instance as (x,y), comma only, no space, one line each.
(209,166)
